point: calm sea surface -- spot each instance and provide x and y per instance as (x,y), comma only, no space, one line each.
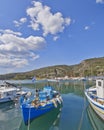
(76,114)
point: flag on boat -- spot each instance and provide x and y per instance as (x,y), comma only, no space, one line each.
(33,79)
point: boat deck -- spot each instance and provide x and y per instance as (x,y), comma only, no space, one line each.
(95,98)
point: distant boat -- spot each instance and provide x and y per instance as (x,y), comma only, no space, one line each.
(44,101)
(95,96)
(9,92)
(53,80)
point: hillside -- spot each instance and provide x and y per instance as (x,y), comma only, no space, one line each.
(88,67)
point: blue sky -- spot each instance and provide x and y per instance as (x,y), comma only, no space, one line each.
(41,33)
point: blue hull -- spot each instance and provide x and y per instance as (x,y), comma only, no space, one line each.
(47,121)
(34,108)
(30,112)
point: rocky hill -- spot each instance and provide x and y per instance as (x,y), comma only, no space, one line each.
(88,67)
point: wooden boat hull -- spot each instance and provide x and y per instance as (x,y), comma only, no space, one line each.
(97,107)
(49,120)
(30,112)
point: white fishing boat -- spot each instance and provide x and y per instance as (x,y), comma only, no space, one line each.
(95,96)
(9,92)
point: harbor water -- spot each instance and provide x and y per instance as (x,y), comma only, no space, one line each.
(75,114)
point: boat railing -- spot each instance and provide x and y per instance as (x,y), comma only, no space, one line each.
(96,98)
(40,101)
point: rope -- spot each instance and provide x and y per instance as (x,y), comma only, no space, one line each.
(29,119)
(81,120)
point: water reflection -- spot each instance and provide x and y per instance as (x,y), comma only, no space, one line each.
(9,116)
(49,121)
(96,122)
(64,87)
(72,93)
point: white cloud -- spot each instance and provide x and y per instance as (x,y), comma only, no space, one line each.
(8,31)
(41,16)
(100,1)
(23,20)
(20,22)
(55,38)
(11,60)
(87,27)
(16,51)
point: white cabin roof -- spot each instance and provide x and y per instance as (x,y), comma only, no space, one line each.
(4,89)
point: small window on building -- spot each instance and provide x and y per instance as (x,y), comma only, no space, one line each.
(99,83)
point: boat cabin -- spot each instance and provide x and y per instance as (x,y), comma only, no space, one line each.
(7,92)
(100,88)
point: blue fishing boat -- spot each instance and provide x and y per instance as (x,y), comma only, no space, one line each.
(47,121)
(43,101)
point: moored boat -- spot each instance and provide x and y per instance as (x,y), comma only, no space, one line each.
(44,101)
(50,120)
(9,92)
(95,96)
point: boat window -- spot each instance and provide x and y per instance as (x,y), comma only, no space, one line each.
(99,83)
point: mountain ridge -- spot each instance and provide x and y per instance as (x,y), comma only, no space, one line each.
(87,67)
